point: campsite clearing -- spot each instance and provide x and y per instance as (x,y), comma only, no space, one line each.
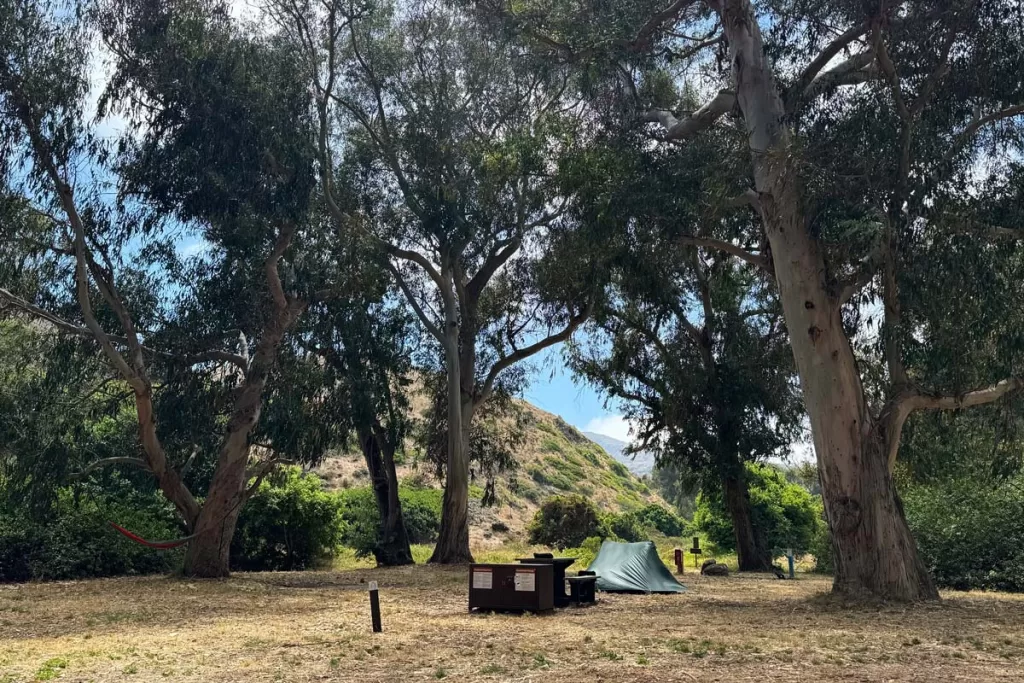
(315,626)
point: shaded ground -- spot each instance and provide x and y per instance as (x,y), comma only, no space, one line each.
(315,626)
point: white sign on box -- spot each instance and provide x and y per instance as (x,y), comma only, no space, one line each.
(526,580)
(483,579)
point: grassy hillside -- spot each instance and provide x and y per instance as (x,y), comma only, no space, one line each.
(554,458)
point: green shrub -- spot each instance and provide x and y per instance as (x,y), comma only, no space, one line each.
(291,523)
(821,548)
(787,514)
(564,522)
(77,541)
(421,511)
(586,552)
(970,533)
(629,526)
(661,519)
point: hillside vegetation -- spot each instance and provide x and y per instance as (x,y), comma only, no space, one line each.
(554,457)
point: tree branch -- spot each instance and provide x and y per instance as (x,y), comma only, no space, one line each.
(525,352)
(491,265)
(84,332)
(796,92)
(856,69)
(682,129)
(434,330)
(106,462)
(901,406)
(869,265)
(976,124)
(747,198)
(729,248)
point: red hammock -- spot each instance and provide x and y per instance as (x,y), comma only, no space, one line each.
(159,545)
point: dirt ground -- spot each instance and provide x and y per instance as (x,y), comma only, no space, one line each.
(315,626)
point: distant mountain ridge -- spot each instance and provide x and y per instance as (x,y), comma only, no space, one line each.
(640,464)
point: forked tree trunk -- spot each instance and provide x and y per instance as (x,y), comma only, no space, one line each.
(751,553)
(874,550)
(392,547)
(208,554)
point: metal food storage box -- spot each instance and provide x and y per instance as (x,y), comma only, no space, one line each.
(526,587)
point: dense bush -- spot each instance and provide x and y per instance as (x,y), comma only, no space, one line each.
(787,514)
(821,549)
(421,510)
(586,552)
(565,522)
(76,540)
(291,523)
(664,521)
(970,533)
(629,527)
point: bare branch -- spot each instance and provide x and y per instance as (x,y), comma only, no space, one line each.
(901,406)
(260,472)
(527,351)
(729,248)
(976,124)
(812,71)
(495,261)
(188,463)
(107,462)
(856,69)
(746,198)
(970,399)
(683,129)
(434,330)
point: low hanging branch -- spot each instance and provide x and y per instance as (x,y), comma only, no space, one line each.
(902,406)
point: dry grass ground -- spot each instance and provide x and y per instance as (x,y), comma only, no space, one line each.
(315,626)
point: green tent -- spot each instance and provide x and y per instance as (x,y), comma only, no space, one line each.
(633,568)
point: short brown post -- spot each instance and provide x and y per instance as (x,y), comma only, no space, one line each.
(375,607)
(679,560)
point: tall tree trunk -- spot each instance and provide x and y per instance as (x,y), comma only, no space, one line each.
(751,552)
(874,550)
(208,554)
(453,539)
(392,547)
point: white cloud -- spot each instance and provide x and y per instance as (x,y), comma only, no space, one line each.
(615,426)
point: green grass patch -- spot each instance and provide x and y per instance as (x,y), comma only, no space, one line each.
(51,668)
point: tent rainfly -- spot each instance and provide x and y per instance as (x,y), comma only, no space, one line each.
(633,568)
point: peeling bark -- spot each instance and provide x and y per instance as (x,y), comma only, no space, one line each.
(874,551)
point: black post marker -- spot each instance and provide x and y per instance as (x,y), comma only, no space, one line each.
(375,607)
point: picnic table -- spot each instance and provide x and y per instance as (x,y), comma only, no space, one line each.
(559,565)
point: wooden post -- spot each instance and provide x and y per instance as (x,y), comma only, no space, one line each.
(375,607)
(678,555)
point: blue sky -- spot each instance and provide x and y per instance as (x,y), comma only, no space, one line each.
(553,388)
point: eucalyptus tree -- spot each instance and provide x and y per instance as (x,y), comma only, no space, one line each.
(215,138)
(691,341)
(883,149)
(451,139)
(363,342)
